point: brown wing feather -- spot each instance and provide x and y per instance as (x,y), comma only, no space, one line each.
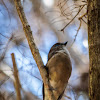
(59,73)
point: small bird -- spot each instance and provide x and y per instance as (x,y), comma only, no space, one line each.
(59,69)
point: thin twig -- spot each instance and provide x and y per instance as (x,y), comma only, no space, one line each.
(72,18)
(82,16)
(84,21)
(77,33)
(68,97)
(16,81)
(5,49)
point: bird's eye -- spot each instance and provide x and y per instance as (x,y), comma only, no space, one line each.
(57,44)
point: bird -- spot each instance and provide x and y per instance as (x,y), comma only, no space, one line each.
(59,69)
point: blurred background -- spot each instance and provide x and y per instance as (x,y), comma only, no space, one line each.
(51,21)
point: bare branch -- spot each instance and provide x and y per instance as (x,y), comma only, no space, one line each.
(81,18)
(77,32)
(68,97)
(16,81)
(6,47)
(33,48)
(73,18)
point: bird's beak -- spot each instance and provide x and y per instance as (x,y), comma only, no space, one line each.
(65,43)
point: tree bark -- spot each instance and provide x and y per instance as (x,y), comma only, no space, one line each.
(94,48)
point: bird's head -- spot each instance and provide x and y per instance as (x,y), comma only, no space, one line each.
(58,47)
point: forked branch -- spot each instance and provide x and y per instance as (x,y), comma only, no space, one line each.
(81,7)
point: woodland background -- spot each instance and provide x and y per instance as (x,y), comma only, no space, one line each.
(51,21)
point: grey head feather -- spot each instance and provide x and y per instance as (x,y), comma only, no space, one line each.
(56,48)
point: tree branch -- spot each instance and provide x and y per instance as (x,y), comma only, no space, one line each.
(16,81)
(81,7)
(76,33)
(33,48)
